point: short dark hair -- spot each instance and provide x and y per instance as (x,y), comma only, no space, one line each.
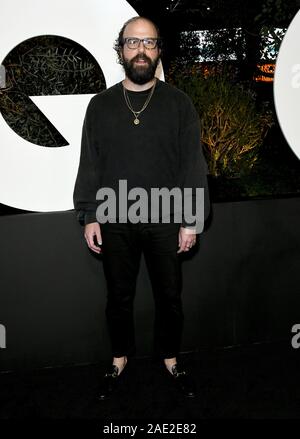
(119,42)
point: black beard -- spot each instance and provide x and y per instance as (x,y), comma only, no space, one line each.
(140,74)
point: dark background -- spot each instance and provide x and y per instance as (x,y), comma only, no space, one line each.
(240,286)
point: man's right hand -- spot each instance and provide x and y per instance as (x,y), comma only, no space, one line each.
(92,232)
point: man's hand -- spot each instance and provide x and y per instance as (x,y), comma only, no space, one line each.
(91,231)
(186,238)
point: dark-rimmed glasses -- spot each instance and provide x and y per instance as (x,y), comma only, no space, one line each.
(134,43)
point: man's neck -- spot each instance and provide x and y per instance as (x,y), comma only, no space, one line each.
(129,85)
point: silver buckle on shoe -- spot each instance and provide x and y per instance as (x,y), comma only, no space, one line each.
(176,373)
(114,374)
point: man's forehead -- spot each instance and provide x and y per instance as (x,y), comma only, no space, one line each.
(140,28)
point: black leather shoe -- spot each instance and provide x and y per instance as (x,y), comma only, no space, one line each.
(109,382)
(183,381)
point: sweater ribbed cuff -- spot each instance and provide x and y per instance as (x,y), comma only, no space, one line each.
(90,217)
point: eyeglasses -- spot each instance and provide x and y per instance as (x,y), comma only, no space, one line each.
(134,43)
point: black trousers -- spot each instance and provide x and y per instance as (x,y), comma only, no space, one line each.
(122,246)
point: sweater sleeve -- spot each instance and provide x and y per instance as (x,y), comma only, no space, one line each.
(193,166)
(86,184)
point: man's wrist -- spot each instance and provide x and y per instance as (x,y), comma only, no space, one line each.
(189,230)
(90,217)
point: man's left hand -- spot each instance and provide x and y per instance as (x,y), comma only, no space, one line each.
(186,239)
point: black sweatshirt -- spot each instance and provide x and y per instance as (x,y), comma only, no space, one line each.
(164,150)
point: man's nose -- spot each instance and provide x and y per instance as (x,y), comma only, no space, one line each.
(141,47)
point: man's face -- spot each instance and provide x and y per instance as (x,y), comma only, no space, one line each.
(140,63)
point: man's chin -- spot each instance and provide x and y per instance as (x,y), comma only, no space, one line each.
(141,77)
(141,73)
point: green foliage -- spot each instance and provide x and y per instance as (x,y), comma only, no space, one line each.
(189,48)
(232,128)
(271,39)
(224,44)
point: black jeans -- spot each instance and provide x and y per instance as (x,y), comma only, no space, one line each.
(122,246)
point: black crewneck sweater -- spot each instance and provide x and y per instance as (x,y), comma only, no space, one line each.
(164,150)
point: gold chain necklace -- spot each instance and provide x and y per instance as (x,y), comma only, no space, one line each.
(136,114)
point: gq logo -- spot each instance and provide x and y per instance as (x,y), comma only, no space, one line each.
(41,178)
(287,85)
(2,337)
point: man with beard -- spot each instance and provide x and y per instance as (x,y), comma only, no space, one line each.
(146,132)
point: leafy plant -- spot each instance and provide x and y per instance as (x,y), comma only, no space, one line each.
(233,128)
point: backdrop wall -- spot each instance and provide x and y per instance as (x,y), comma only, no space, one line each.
(241,285)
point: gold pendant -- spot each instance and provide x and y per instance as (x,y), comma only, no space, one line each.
(136,121)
